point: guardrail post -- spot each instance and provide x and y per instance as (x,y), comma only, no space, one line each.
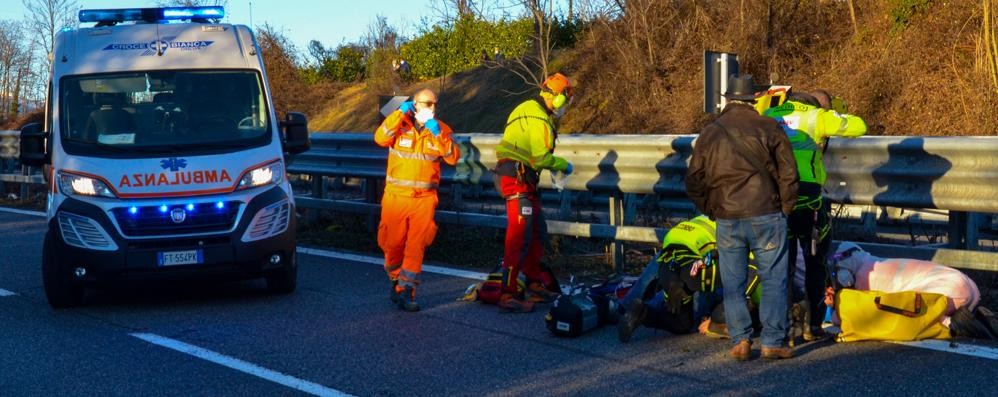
(318,192)
(973,231)
(958,226)
(565,204)
(869,219)
(616,219)
(25,187)
(456,191)
(371,196)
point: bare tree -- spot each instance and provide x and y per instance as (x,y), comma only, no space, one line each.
(44,19)
(15,68)
(533,66)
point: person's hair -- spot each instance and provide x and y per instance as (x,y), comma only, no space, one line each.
(823,97)
(803,98)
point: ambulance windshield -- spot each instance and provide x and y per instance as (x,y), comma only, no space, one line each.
(126,114)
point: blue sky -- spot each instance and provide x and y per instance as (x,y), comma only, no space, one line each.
(331,21)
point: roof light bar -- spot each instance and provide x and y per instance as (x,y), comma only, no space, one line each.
(151,14)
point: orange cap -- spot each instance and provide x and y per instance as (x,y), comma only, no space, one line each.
(558,84)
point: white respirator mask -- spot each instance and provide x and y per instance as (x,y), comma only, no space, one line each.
(423,115)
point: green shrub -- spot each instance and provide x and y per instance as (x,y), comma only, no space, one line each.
(440,50)
(904,10)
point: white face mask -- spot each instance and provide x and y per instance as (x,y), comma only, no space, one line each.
(423,115)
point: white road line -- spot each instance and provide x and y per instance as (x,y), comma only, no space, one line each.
(4,293)
(240,365)
(940,345)
(380,262)
(958,348)
(22,212)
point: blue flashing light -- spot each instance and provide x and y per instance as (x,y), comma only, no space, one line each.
(151,14)
(193,12)
(220,205)
(162,209)
(190,207)
(133,210)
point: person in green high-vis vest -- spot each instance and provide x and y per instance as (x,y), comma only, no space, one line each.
(809,119)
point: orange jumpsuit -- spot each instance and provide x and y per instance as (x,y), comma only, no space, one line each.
(407,208)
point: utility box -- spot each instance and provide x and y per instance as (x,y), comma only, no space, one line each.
(717,66)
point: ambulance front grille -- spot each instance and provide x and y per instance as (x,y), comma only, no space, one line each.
(200,218)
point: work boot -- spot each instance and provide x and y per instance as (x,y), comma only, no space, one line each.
(777,352)
(633,318)
(742,351)
(540,294)
(508,303)
(394,295)
(407,299)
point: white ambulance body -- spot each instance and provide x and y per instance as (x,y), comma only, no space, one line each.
(163,154)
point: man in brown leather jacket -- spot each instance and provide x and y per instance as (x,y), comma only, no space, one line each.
(743,175)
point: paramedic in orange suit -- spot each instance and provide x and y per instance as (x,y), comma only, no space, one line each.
(417,142)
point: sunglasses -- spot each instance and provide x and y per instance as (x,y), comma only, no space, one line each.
(428,103)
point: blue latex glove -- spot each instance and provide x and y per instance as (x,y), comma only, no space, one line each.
(433,126)
(569,169)
(408,107)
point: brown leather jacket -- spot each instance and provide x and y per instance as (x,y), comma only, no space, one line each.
(723,184)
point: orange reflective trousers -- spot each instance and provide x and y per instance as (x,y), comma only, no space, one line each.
(407,228)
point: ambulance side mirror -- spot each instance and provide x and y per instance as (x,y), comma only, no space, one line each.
(33,145)
(295,126)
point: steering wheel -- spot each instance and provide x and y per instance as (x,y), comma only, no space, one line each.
(249,123)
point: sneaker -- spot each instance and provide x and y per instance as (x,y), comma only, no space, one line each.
(717,331)
(407,300)
(777,353)
(742,351)
(633,318)
(540,294)
(814,332)
(507,303)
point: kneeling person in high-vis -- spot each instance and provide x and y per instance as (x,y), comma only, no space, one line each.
(417,142)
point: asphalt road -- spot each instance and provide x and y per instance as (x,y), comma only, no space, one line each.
(339,334)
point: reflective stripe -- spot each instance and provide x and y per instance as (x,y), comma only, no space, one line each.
(509,146)
(390,267)
(410,183)
(408,278)
(710,226)
(387,132)
(412,156)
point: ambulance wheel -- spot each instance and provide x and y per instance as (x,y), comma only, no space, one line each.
(284,280)
(61,289)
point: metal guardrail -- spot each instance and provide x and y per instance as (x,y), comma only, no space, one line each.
(952,173)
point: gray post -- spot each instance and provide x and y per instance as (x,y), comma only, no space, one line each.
(371,196)
(973,233)
(318,192)
(565,204)
(26,171)
(616,219)
(957,229)
(457,190)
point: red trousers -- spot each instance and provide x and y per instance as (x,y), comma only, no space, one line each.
(406,229)
(525,234)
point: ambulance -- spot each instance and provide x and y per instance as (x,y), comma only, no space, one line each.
(163,154)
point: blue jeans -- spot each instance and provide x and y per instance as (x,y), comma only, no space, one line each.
(766,237)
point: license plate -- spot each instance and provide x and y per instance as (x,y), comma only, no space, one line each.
(173,258)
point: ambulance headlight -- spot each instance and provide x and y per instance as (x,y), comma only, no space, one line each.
(72,184)
(272,173)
